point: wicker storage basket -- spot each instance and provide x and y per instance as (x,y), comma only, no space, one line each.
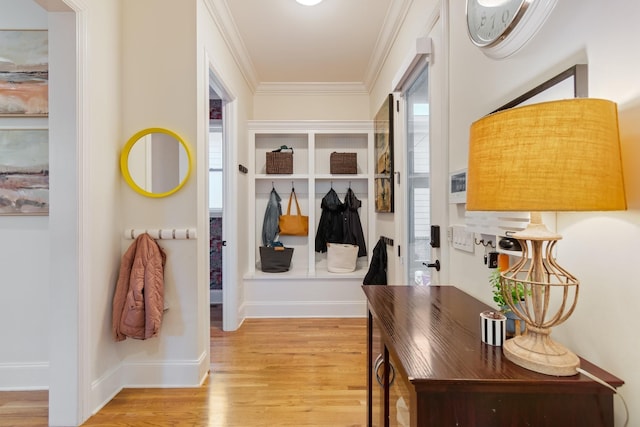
(343,163)
(279,162)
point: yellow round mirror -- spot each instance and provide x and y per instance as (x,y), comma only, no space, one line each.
(156,162)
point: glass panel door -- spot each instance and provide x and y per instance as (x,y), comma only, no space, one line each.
(418,179)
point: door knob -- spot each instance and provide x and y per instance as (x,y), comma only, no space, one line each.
(435,265)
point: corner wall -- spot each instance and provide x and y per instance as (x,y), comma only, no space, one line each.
(159,90)
(24,288)
(214,57)
(601,249)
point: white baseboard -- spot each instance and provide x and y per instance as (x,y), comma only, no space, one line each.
(105,388)
(167,374)
(24,376)
(269,296)
(274,309)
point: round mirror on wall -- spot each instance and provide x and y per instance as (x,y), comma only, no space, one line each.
(156,162)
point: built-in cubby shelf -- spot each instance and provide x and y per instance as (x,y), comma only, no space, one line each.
(312,143)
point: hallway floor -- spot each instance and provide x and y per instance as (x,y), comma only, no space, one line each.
(271,372)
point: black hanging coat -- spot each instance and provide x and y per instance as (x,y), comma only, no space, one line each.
(330,225)
(377,274)
(352,227)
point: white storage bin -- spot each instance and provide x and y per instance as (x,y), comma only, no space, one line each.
(341,257)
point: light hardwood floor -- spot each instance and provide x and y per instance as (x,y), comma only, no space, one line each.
(271,372)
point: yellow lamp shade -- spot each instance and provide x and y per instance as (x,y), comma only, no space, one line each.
(552,156)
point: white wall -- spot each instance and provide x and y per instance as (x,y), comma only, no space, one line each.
(214,57)
(85,227)
(304,103)
(51,300)
(24,288)
(165,85)
(601,249)
(158,90)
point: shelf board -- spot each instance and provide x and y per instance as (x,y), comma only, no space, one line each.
(305,275)
(283,177)
(345,176)
(358,274)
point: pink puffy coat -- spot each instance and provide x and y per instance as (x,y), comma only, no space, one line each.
(138,301)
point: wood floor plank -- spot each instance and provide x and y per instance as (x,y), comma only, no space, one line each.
(24,408)
(271,372)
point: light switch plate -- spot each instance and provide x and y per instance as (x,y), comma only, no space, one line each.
(462,239)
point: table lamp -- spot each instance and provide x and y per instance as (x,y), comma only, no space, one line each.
(552,156)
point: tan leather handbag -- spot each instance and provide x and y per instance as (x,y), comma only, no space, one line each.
(294,225)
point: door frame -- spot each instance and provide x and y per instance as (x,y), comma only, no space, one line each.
(230,298)
(438,81)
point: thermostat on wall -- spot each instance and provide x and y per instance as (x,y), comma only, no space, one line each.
(458,186)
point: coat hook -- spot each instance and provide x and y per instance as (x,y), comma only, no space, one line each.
(483,243)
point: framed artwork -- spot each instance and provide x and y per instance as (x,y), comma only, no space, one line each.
(571,83)
(383,173)
(24,73)
(24,171)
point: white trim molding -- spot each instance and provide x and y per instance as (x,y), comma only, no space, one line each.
(413,64)
(396,15)
(221,15)
(24,376)
(312,88)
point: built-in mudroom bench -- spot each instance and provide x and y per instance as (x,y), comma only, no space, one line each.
(308,289)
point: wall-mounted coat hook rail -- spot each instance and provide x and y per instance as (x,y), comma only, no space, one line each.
(387,240)
(483,243)
(162,233)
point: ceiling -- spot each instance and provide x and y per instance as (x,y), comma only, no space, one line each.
(335,44)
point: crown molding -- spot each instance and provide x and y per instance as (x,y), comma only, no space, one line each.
(219,11)
(396,15)
(60,5)
(312,88)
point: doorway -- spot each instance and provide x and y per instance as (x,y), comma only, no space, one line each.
(418,179)
(216,207)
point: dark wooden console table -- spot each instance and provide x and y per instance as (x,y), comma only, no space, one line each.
(446,376)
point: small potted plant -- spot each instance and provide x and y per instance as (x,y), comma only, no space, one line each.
(517,295)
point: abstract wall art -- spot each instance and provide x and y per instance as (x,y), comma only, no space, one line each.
(24,172)
(24,73)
